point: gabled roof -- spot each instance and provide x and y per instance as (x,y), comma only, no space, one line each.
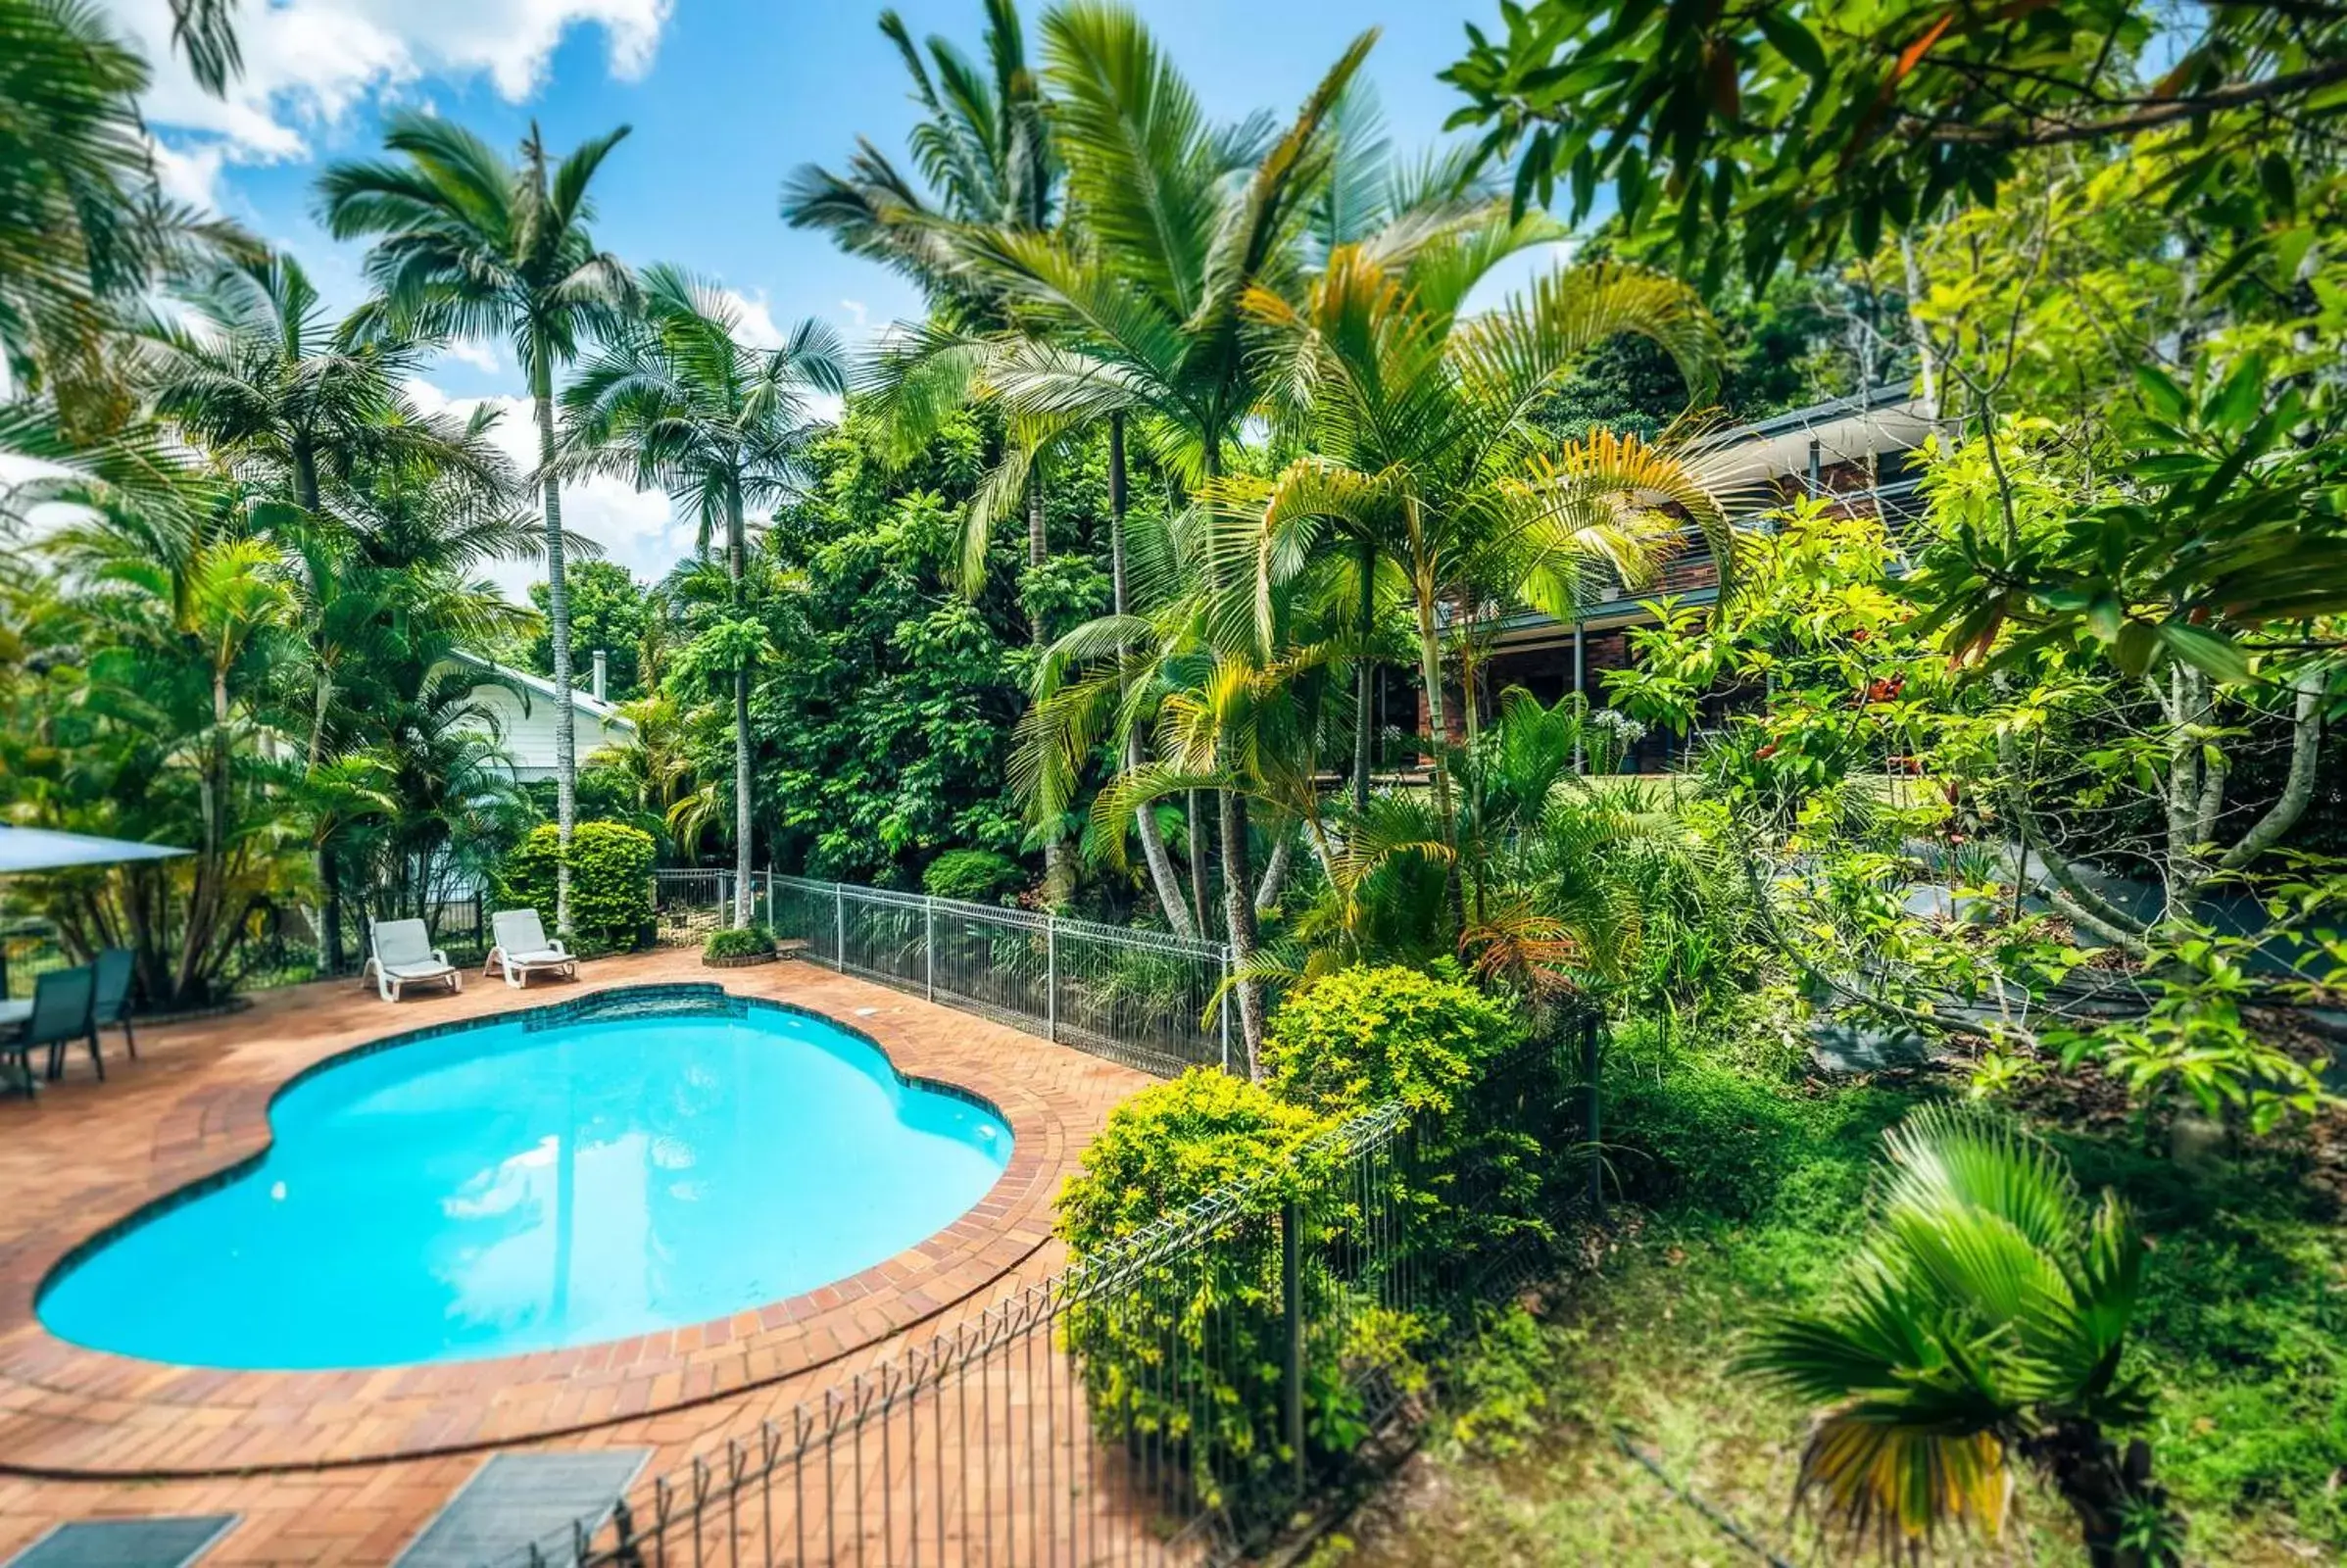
(583,702)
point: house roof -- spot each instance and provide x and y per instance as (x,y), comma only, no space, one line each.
(583,702)
(1883,419)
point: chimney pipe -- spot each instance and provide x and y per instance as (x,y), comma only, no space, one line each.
(601,663)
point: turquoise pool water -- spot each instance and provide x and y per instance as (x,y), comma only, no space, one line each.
(509,1188)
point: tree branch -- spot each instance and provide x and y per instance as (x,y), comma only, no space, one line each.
(2306,745)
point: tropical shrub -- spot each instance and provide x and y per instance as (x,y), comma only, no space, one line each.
(739,942)
(1187,1353)
(974,876)
(610,880)
(1449,1055)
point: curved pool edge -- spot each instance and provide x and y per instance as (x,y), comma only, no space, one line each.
(593,1006)
(464,1406)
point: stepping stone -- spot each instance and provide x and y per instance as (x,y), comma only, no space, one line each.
(516,1499)
(124,1542)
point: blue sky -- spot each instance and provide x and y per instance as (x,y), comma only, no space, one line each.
(727,96)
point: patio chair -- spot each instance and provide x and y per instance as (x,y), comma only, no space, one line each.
(112,1004)
(523,948)
(403,955)
(59,1014)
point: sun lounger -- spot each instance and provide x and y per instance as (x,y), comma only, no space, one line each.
(523,948)
(403,955)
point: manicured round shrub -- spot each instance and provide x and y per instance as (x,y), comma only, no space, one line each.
(974,876)
(1183,1355)
(739,942)
(1479,1101)
(611,881)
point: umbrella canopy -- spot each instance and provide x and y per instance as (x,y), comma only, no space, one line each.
(37,848)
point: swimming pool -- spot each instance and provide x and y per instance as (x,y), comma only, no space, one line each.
(560,1178)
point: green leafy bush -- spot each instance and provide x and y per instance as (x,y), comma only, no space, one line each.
(611,881)
(1458,1062)
(739,942)
(974,876)
(1188,1356)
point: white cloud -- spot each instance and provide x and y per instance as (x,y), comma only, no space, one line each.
(858,311)
(190,174)
(482,357)
(307,63)
(754,322)
(636,528)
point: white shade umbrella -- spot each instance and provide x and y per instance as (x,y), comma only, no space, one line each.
(37,848)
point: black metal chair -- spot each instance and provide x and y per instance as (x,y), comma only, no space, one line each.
(60,1014)
(112,1003)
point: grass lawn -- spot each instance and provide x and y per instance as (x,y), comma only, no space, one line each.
(1752,1192)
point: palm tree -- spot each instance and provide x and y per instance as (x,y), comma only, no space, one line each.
(1142,315)
(985,153)
(473,246)
(1984,1317)
(259,377)
(84,230)
(681,403)
(1424,457)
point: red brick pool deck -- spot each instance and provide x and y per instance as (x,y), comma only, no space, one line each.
(345,1467)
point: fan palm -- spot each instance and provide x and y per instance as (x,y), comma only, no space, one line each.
(471,245)
(1985,1317)
(681,403)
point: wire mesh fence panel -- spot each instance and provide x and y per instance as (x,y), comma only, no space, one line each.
(798,910)
(994,963)
(1147,999)
(688,904)
(884,936)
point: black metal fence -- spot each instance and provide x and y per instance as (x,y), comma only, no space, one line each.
(1148,998)
(1171,1401)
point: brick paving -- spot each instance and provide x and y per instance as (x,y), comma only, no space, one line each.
(344,1467)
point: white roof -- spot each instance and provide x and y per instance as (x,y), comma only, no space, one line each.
(584,702)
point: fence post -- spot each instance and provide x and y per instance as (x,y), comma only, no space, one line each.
(839,926)
(1292,1283)
(929,948)
(1050,978)
(1592,1098)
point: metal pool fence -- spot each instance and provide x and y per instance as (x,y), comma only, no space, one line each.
(1173,1401)
(1147,999)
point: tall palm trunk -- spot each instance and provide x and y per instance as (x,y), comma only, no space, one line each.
(737,564)
(1364,681)
(1145,820)
(305,489)
(1239,913)
(1058,871)
(557,616)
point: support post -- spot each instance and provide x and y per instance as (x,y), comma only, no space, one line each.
(839,927)
(1591,1102)
(1050,978)
(929,948)
(1581,692)
(1292,1283)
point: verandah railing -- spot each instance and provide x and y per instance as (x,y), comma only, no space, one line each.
(1148,998)
(1171,1401)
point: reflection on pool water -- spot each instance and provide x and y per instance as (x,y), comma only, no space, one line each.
(495,1191)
